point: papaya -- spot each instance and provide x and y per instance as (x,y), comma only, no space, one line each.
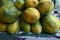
(19,4)
(13,28)
(36,28)
(31,15)
(31,3)
(3,2)
(59,26)
(9,13)
(3,27)
(45,7)
(25,26)
(50,24)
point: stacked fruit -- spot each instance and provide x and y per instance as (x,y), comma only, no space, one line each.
(28,16)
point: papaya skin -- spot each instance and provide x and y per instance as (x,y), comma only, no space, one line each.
(3,27)
(36,27)
(26,27)
(19,4)
(13,28)
(45,7)
(50,24)
(31,15)
(9,14)
(31,3)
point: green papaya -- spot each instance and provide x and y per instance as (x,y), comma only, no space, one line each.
(13,28)
(25,26)
(19,4)
(50,24)
(3,27)
(3,2)
(36,27)
(9,13)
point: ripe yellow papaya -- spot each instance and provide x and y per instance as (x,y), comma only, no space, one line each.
(45,7)
(31,3)
(31,15)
